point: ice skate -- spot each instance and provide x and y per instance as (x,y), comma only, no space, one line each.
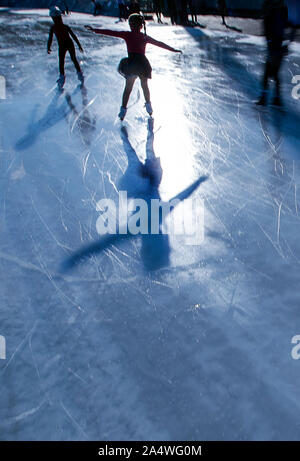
(262,101)
(276,101)
(61,81)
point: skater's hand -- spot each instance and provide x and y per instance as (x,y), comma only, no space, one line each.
(49,51)
(89,28)
(81,49)
(178,51)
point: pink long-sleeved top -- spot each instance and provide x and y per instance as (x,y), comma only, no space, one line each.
(136,41)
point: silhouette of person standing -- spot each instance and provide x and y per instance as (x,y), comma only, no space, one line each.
(223,10)
(275,16)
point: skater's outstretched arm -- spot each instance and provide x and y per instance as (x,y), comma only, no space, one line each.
(50,38)
(112,33)
(152,41)
(75,38)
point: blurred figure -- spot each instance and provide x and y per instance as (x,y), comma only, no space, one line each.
(172,11)
(193,10)
(134,7)
(275,16)
(97,7)
(182,15)
(293,17)
(122,10)
(223,10)
(158,7)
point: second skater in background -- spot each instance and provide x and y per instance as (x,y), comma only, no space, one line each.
(65,43)
(136,64)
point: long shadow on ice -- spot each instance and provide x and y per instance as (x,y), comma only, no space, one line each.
(55,112)
(60,107)
(141,181)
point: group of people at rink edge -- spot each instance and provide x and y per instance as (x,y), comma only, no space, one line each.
(279,33)
(177,10)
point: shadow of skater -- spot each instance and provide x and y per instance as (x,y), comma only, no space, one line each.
(236,29)
(54,114)
(84,121)
(141,182)
(155,249)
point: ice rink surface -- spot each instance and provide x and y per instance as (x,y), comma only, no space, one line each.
(198,347)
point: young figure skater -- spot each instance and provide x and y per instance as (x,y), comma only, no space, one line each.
(65,43)
(136,65)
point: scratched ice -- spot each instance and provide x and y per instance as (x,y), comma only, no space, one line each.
(200,347)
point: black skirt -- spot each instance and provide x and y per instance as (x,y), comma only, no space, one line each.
(136,65)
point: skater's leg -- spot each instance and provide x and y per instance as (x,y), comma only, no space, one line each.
(127,90)
(266,77)
(277,99)
(62,54)
(265,83)
(74,59)
(223,14)
(145,88)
